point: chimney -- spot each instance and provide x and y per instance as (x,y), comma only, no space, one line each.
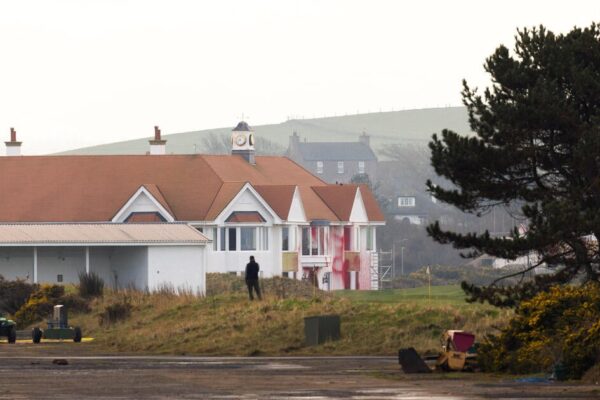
(13,148)
(158,145)
(365,139)
(294,139)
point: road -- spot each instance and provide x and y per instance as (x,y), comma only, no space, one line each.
(30,372)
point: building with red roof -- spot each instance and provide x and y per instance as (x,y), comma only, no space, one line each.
(241,204)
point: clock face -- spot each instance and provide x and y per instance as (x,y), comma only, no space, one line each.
(240,140)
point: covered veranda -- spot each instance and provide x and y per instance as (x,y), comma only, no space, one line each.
(147,256)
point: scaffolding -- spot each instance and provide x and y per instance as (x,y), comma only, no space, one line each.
(381,270)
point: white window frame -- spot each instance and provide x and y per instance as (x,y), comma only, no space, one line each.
(321,231)
(361,167)
(340,167)
(406,201)
(319,167)
(261,237)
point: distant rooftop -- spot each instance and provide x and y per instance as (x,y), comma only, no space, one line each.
(336,151)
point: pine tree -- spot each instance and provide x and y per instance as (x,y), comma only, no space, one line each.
(536,145)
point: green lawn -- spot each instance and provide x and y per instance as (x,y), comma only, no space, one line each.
(451,294)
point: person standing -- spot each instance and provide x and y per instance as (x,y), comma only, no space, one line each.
(252,269)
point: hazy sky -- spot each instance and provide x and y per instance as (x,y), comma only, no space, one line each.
(75,73)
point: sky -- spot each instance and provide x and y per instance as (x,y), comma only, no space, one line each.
(76,73)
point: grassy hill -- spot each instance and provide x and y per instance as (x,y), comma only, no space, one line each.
(408,127)
(373,323)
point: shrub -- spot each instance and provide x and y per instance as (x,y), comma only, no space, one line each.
(558,326)
(39,305)
(90,285)
(115,312)
(74,303)
(14,294)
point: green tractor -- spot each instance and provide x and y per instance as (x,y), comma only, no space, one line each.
(8,328)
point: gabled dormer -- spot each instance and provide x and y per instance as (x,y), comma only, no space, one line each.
(146,205)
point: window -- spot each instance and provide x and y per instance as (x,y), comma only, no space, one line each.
(406,201)
(361,167)
(314,241)
(347,238)
(223,239)
(232,239)
(305,241)
(340,166)
(370,237)
(247,238)
(285,238)
(319,167)
(214,238)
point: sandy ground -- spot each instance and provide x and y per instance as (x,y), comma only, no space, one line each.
(27,372)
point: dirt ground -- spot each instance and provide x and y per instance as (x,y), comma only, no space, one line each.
(28,372)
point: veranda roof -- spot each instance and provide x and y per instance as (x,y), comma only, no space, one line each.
(99,234)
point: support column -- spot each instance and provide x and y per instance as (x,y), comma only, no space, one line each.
(87,260)
(35,265)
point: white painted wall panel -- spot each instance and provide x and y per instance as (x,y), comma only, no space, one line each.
(16,263)
(130,266)
(65,261)
(179,267)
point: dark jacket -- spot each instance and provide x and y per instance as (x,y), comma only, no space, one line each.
(252,269)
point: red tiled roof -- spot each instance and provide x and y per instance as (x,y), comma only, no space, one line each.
(279,197)
(158,196)
(223,197)
(190,187)
(245,216)
(144,217)
(339,198)
(374,212)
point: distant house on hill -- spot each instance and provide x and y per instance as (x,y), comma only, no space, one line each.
(413,208)
(334,161)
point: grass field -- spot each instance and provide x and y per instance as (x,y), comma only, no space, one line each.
(440,295)
(373,323)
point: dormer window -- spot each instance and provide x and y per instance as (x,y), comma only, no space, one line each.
(406,201)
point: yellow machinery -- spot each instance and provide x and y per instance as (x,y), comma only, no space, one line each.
(454,356)
(455,345)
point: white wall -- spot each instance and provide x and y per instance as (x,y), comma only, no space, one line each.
(129,265)
(179,267)
(100,259)
(16,263)
(65,261)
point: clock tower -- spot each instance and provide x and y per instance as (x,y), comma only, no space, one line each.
(242,142)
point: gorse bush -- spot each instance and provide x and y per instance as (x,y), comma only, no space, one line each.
(90,285)
(14,294)
(39,305)
(561,325)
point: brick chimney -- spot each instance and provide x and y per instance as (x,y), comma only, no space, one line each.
(158,145)
(13,148)
(365,139)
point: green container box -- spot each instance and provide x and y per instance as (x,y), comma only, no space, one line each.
(59,333)
(321,328)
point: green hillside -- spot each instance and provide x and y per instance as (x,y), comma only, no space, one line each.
(408,127)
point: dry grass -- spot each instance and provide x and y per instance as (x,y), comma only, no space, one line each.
(229,324)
